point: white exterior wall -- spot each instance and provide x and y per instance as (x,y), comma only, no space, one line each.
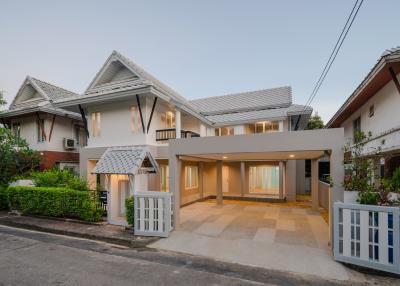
(115,123)
(386,107)
(63,128)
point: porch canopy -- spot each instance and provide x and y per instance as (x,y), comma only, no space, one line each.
(126,161)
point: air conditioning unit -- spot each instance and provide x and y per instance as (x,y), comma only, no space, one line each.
(69,144)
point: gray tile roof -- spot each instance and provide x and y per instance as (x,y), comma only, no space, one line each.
(258,115)
(123,160)
(51,91)
(246,101)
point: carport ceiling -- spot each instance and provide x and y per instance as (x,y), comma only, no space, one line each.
(271,156)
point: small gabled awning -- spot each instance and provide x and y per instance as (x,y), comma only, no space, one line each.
(127,161)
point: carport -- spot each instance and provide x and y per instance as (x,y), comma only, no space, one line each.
(280,147)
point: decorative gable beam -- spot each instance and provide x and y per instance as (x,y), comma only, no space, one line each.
(41,127)
(52,126)
(83,115)
(395,80)
(151,114)
(140,112)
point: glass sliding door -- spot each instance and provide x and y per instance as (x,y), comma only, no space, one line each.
(264,179)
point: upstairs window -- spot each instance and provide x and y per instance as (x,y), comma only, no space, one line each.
(136,123)
(40,131)
(167,120)
(191,177)
(265,127)
(224,131)
(96,124)
(371,111)
(356,129)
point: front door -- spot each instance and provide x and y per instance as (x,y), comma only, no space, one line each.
(123,194)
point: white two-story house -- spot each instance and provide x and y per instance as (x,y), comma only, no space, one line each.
(56,133)
(125,107)
(374,107)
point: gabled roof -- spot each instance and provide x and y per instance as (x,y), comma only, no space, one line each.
(36,96)
(245,101)
(44,91)
(125,160)
(377,78)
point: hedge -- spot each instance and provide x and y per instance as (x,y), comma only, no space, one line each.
(129,205)
(54,202)
(3,198)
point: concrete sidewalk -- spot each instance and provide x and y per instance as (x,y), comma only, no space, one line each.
(97,231)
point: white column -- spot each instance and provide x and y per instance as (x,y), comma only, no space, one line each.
(281,126)
(175,166)
(242,179)
(178,123)
(219,182)
(314,184)
(201,188)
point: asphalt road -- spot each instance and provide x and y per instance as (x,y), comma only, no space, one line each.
(35,258)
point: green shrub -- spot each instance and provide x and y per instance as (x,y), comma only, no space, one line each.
(54,202)
(129,205)
(368,198)
(396,180)
(3,198)
(59,178)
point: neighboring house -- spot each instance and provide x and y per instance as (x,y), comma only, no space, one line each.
(125,106)
(374,107)
(56,133)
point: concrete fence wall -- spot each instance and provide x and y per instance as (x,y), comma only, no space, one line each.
(323,194)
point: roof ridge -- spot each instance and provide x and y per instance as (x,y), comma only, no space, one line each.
(244,92)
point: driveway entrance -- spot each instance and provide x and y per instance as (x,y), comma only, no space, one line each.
(275,236)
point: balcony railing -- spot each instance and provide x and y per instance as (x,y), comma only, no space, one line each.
(166,134)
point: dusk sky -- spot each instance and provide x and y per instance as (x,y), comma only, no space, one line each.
(199,48)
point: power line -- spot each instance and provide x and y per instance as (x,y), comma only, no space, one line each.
(333,55)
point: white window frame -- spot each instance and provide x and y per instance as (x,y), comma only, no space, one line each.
(136,123)
(191,177)
(40,130)
(264,125)
(16,129)
(168,120)
(96,124)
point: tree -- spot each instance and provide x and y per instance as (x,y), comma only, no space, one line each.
(17,159)
(315,122)
(2,100)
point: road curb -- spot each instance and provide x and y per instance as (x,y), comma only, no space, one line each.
(141,242)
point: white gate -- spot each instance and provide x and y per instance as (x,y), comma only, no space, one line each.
(367,235)
(153,213)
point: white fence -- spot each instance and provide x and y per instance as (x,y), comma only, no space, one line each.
(323,194)
(153,213)
(367,236)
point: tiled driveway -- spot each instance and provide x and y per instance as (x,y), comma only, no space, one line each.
(272,236)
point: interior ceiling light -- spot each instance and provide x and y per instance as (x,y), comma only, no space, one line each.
(291,155)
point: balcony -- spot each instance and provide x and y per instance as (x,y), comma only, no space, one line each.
(166,134)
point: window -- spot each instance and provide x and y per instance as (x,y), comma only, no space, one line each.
(167,120)
(264,179)
(371,111)
(77,134)
(164,178)
(136,123)
(356,129)
(40,130)
(16,129)
(264,127)
(191,177)
(224,131)
(96,124)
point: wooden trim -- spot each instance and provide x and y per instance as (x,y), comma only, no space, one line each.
(85,125)
(151,114)
(140,112)
(40,126)
(51,128)
(394,78)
